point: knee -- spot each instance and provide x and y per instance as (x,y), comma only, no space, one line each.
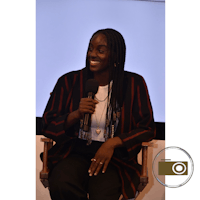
(57,185)
(61,190)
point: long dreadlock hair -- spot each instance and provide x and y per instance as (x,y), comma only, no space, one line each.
(117,47)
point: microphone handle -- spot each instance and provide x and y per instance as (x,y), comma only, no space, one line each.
(87,116)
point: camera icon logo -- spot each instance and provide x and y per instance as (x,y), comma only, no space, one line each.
(172,168)
(174,172)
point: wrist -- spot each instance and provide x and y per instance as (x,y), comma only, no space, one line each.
(72,118)
(115,142)
(78,114)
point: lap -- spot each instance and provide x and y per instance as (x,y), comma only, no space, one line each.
(106,185)
(72,168)
(69,179)
(71,176)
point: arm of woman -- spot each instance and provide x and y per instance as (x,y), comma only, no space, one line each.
(86,105)
(56,111)
(57,118)
(144,130)
(104,155)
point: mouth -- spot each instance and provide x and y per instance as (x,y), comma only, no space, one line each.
(94,62)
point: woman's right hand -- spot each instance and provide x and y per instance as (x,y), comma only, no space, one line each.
(86,105)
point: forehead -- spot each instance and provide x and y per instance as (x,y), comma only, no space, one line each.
(99,39)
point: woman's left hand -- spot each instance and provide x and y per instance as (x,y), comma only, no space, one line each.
(104,155)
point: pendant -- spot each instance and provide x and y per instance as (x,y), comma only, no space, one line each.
(98,131)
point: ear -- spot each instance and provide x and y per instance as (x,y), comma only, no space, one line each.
(115,58)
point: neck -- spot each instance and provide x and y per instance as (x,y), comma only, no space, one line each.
(102,78)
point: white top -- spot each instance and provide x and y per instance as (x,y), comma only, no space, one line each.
(99,117)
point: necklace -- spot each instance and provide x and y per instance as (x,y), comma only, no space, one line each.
(100,100)
(106,96)
(98,131)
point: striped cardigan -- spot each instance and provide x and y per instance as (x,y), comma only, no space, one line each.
(136,124)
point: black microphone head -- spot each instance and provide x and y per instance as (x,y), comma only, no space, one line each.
(91,86)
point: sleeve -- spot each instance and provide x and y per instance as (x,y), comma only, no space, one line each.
(142,119)
(56,111)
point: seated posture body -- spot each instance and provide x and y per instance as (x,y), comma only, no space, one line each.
(103,161)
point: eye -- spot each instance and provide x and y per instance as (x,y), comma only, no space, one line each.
(101,51)
(89,48)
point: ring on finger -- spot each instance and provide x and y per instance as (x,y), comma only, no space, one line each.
(101,163)
(93,159)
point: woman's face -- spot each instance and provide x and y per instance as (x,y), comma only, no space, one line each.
(98,54)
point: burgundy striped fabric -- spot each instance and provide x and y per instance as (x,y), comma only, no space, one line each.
(136,123)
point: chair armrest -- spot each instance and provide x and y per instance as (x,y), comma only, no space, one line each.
(144,175)
(45,171)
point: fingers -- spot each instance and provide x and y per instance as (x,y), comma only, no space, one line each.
(87,105)
(105,167)
(88,100)
(100,165)
(101,159)
(96,166)
(92,166)
(87,109)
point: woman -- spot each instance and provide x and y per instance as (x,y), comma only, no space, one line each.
(103,161)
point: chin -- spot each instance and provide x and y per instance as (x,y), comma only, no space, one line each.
(94,68)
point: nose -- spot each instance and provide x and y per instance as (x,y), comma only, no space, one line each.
(92,54)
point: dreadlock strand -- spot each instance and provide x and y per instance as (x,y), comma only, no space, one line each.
(117,49)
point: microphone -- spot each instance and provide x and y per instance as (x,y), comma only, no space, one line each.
(91,88)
